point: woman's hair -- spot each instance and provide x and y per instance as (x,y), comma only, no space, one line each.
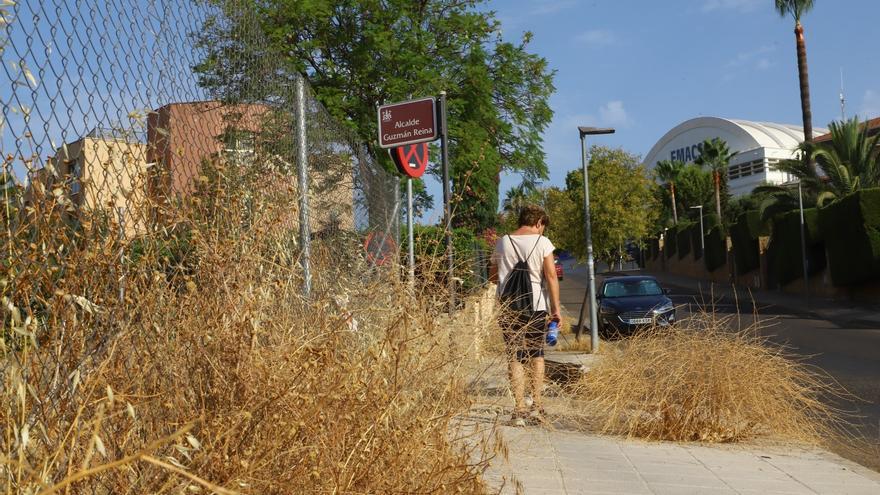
(530,215)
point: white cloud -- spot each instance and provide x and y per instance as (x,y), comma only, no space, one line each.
(596,37)
(763,64)
(745,58)
(738,5)
(613,114)
(870,108)
(609,114)
(743,62)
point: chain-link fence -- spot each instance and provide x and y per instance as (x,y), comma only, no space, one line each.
(133,132)
(116,113)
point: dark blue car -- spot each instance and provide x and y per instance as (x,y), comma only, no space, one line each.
(627,303)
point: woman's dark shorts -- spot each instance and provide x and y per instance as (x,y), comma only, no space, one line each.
(524,334)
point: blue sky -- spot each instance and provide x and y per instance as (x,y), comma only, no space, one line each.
(644,66)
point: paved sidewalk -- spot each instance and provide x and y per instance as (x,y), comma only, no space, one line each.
(559,460)
(543,461)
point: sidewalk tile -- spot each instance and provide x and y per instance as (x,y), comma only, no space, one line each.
(593,475)
(846,490)
(666,489)
(673,477)
(768,485)
(582,486)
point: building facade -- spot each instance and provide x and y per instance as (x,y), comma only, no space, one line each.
(758,146)
(104,173)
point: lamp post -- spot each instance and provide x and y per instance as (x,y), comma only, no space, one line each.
(702,235)
(591,273)
(804,244)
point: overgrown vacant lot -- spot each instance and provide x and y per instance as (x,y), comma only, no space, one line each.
(213,373)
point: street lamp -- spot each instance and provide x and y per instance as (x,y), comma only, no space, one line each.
(804,245)
(591,274)
(702,235)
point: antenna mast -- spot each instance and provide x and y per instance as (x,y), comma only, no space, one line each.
(842,99)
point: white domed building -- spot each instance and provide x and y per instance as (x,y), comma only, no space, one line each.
(759,145)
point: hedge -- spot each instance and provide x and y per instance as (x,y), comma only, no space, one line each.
(784,256)
(695,240)
(851,229)
(669,242)
(744,235)
(471,253)
(716,249)
(654,246)
(683,240)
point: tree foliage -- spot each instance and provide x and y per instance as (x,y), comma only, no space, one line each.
(359,54)
(693,187)
(850,161)
(715,155)
(622,205)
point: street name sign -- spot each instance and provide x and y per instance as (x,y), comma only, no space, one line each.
(411,160)
(408,122)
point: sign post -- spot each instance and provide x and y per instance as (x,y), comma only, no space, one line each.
(411,160)
(412,122)
(444,163)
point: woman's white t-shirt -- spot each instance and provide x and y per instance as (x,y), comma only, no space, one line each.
(505,257)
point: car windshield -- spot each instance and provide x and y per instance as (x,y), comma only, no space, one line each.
(630,288)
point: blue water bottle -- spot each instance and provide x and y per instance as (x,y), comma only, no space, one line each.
(552,332)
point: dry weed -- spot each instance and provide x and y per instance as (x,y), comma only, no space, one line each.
(212,373)
(701,381)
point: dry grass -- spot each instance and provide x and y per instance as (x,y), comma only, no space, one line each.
(213,374)
(700,381)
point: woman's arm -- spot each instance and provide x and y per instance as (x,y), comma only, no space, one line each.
(553,288)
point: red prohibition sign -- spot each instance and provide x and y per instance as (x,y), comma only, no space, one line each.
(412,159)
(380,248)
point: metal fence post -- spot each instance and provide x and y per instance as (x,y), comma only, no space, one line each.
(303,166)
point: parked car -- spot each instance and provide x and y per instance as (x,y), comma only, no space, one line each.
(559,272)
(627,303)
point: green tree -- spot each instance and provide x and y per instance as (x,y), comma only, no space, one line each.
(359,54)
(715,155)
(695,187)
(850,161)
(622,204)
(562,206)
(796,9)
(668,171)
(514,199)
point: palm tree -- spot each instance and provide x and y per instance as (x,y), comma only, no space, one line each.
(715,155)
(850,161)
(797,8)
(517,196)
(668,171)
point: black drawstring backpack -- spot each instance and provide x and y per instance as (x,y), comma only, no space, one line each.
(516,292)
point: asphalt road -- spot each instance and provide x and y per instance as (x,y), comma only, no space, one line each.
(849,355)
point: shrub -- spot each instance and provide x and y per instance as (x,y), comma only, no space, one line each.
(683,240)
(655,247)
(696,242)
(716,249)
(851,229)
(471,255)
(744,236)
(669,241)
(699,381)
(784,254)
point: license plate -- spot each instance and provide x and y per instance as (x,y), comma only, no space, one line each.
(639,321)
